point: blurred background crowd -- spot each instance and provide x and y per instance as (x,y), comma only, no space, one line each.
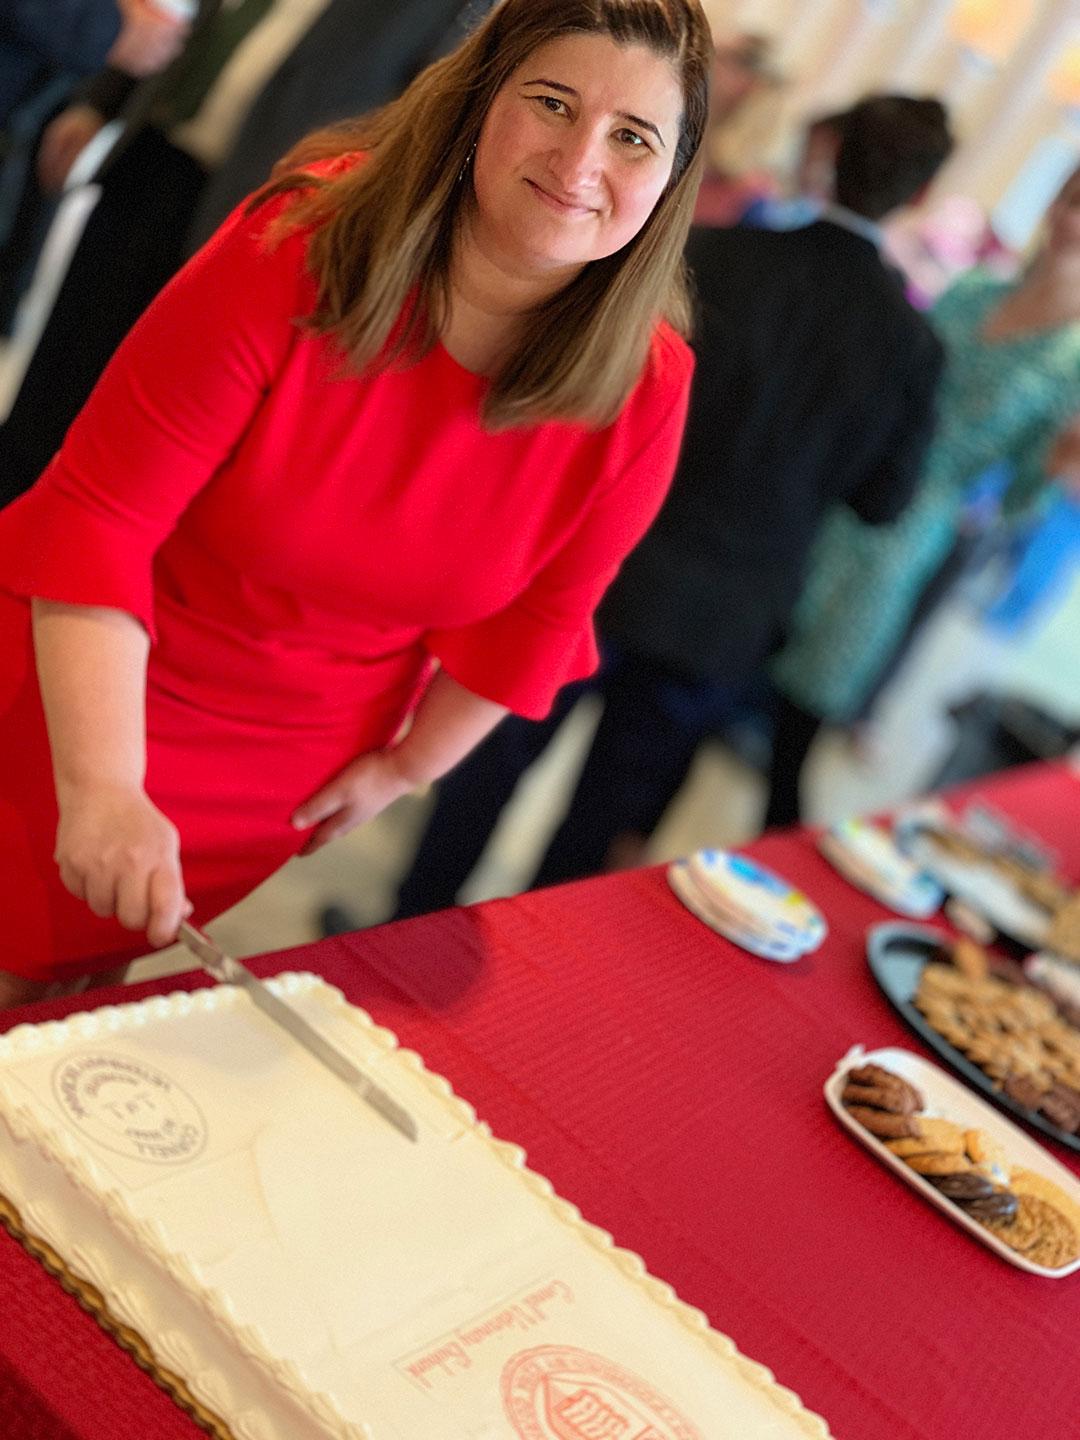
(864,583)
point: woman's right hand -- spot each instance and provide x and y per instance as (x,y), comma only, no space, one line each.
(120,854)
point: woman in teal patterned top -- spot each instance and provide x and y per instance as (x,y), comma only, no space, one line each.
(1011,384)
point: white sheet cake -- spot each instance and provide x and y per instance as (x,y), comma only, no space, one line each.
(311,1274)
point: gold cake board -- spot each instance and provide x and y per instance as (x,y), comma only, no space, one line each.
(93,1302)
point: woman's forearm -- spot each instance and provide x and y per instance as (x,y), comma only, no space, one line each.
(448,723)
(114,848)
(91,666)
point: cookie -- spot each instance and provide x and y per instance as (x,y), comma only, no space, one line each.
(883,1123)
(937,1164)
(942,980)
(936,1135)
(1001,1205)
(985,1153)
(895,1098)
(970,958)
(870,1074)
(963,1186)
(1039,1232)
(1061,1106)
(1002,968)
(1023,1091)
(1030,1182)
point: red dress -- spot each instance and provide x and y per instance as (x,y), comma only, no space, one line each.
(302,546)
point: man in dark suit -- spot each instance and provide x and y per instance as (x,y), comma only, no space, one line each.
(357,55)
(815,384)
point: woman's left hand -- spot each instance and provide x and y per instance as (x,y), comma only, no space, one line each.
(356,794)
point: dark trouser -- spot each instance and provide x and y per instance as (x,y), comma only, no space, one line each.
(652,723)
(132,244)
(793,734)
(468,804)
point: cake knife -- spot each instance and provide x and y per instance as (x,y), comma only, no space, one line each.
(230,972)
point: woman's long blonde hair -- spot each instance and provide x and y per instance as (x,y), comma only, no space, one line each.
(384,230)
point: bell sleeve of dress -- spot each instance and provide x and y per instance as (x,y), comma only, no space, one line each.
(169,409)
(521,656)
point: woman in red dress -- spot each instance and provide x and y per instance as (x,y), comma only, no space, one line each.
(375,453)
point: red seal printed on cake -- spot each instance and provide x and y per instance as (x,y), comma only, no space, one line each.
(129,1107)
(557,1392)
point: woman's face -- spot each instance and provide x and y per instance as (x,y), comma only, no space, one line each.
(1063,219)
(575,152)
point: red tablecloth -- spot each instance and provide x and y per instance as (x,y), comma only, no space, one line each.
(670,1085)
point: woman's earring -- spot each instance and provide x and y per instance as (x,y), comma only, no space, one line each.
(465,164)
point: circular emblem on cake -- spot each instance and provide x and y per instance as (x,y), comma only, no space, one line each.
(129,1107)
(557,1392)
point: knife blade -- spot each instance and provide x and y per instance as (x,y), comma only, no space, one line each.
(230,972)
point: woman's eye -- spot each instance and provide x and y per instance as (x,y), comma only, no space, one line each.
(552,103)
(631,139)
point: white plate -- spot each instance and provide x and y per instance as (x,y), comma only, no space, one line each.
(981,886)
(868,858)
(766,898)
(947,1097)
(765,948)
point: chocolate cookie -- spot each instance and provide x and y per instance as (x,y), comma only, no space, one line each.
(883,1122)
(1061,1106)
(964,1187)
(1002,968)
(899,1099)
(870,1074)
(1020,1089)
(1001,1205)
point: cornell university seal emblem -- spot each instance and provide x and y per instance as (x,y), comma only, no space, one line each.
(557,1392)
(129,1107)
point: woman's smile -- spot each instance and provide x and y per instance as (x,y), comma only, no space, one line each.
(567,206)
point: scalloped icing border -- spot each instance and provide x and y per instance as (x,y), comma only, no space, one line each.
(25,1040)
(90,1299)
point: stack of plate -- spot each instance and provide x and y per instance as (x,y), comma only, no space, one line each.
(869,857)
(748,904)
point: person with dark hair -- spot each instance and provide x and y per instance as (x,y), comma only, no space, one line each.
(405,413)
(891,148)
(1012,383)
(814,177)
(815,383)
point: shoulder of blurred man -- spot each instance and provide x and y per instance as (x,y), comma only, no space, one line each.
(743,276)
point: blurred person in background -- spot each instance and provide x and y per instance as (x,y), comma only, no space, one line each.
(813,181)
(373,455)
(945,240)
(356,55)
(1011,385)
(45,50)
(179,127)
(742,77)
(815,383)
(1041,555)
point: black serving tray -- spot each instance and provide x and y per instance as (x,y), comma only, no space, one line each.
(897,953)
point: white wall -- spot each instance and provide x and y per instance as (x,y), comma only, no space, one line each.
(833,51)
